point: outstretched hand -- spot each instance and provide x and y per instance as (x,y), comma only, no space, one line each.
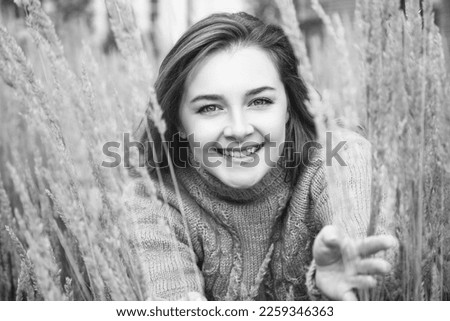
(344,265)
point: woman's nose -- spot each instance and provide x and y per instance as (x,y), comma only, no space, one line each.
(239,128)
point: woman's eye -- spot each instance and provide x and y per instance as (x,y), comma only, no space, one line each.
(208,109)
(261,101)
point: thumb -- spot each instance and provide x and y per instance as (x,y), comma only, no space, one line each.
(327,246)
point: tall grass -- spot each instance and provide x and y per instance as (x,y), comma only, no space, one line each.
(63,232)
(386,75)
(62,209)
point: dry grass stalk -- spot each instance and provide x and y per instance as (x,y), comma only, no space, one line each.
(291,27)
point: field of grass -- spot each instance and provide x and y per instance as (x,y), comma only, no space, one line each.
(62,224)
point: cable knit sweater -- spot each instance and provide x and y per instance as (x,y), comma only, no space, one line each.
(235,244)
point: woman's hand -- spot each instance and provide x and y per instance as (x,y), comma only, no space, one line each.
(344,265)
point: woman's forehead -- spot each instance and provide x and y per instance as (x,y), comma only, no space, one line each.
(241,68)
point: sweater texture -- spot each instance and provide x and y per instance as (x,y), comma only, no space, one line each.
(238,244)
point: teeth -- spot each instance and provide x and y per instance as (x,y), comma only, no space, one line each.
(240,154)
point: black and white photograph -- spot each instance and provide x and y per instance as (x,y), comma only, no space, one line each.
(212,150)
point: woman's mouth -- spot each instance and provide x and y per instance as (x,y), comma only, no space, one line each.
(240,152)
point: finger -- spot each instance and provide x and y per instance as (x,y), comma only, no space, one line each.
(363,282)
(331,236)
(349,296)
(373,244)
(373,266)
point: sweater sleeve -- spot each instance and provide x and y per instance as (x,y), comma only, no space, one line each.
(160,242)
(341,195)
(341,187)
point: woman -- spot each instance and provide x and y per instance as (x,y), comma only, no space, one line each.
(250,216)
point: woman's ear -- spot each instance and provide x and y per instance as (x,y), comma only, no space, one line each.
(287,117)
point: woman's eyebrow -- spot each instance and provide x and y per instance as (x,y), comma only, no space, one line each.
(258,90)
(207,97)
(251,92)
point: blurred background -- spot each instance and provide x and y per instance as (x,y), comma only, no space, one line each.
(162,22)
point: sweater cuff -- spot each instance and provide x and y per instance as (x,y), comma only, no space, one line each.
(313,291)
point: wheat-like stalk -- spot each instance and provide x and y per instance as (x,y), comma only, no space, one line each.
(291,27)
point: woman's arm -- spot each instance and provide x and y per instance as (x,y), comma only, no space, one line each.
(342,252)
(160,242)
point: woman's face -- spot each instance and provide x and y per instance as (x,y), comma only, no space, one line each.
(233,112)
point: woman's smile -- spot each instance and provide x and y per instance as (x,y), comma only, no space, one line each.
(244,153)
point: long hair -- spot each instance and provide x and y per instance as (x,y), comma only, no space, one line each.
(219,32)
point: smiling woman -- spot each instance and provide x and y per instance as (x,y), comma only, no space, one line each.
(235,102)
(251,218)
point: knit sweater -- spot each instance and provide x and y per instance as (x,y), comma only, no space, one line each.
(236,244)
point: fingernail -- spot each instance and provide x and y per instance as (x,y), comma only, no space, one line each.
(392,242)
(332,240)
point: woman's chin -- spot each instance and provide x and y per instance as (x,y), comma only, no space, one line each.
(240,177)
(241,182)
